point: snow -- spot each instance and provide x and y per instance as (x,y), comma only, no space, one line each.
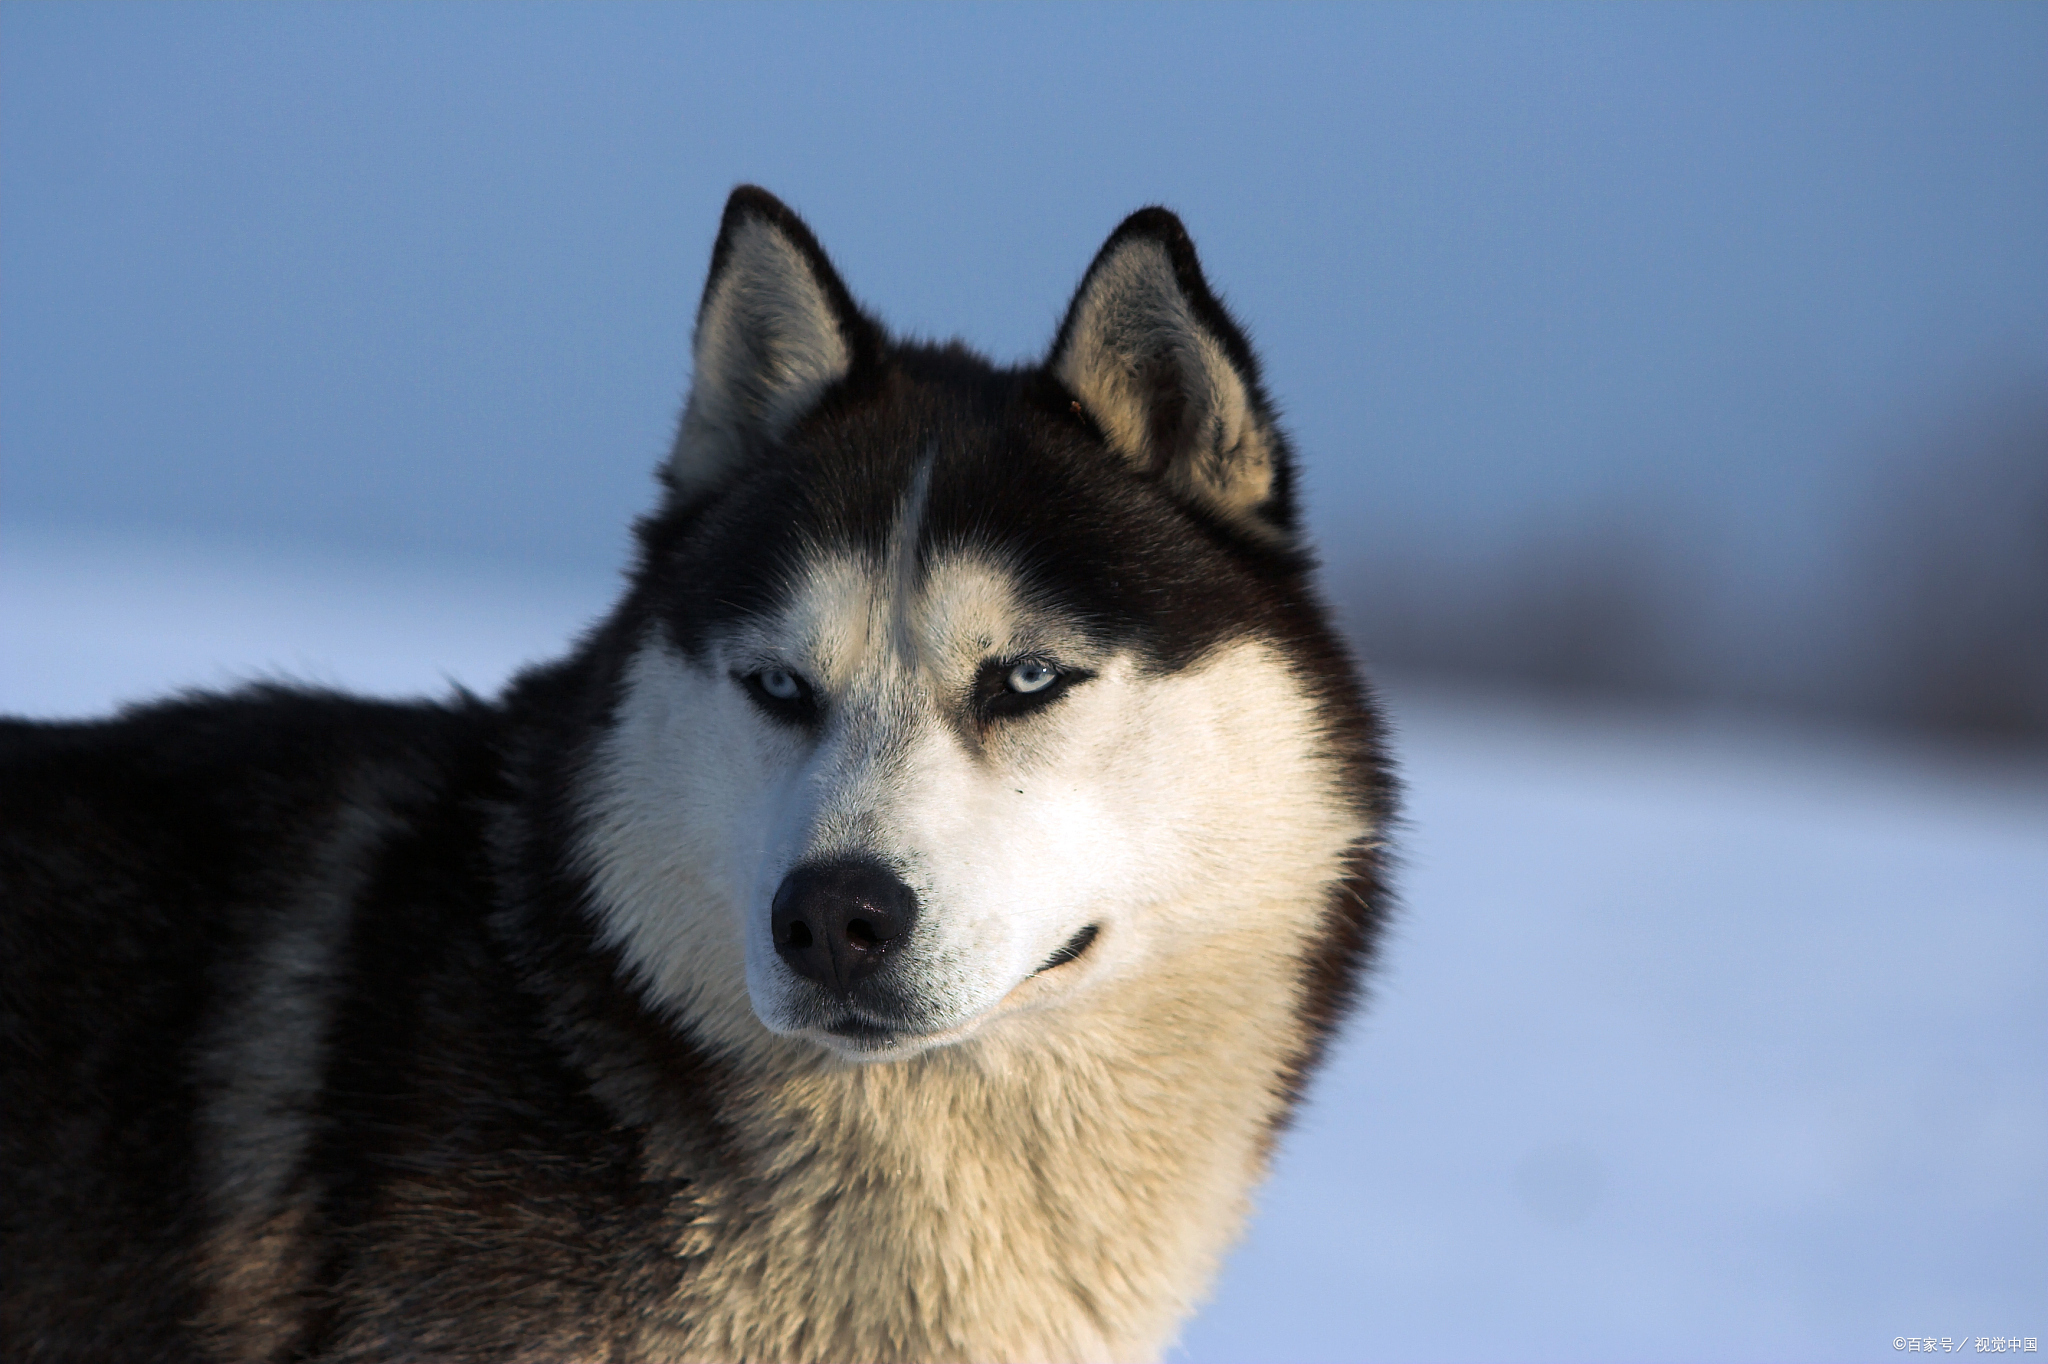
(1696,1038)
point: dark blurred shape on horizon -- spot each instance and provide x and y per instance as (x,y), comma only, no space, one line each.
(1953,592)
(1929,612)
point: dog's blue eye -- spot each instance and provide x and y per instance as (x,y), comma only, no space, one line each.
(1022,686)
(784,695)
(1032,675)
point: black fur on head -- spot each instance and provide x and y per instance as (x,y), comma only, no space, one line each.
(1146,355)
(1136,476)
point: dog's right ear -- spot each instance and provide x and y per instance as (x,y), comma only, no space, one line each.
(776,330)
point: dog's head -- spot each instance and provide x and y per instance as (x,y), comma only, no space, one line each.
(957,692)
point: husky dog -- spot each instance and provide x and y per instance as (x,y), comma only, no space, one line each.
(898,931)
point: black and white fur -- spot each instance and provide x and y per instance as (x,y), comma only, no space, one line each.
(897,931)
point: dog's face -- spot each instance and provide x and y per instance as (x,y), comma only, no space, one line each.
(939,816)
(898,811)
(941,709)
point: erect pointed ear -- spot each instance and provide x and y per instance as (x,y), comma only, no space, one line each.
(1168,377)
(776,329)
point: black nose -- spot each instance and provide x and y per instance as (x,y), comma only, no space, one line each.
(836,922)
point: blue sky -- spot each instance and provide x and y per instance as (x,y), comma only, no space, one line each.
(422,277)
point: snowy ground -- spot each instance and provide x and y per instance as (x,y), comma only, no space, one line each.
(1697,1040)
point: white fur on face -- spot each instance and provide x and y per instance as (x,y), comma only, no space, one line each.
(1175,812)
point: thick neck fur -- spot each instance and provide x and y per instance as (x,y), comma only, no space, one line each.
(1062,1188)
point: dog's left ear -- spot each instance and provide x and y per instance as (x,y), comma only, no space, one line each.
(1166,374)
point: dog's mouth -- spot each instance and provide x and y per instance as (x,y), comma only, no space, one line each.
(1071,951)
(864,1036)
(855,1036)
